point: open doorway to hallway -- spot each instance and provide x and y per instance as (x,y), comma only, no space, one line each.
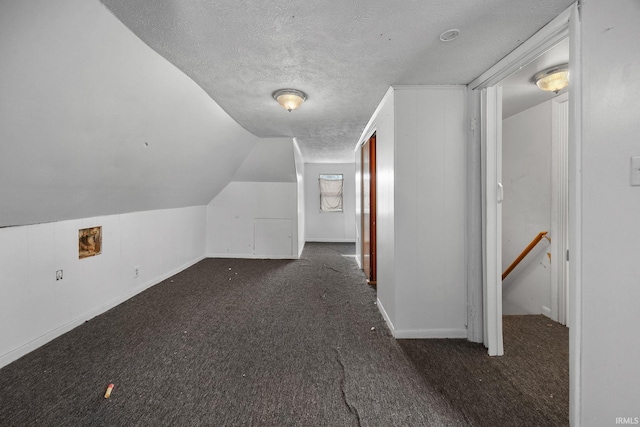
(485,178)
(535,202)
(369,210)
(525,187)
(486,105)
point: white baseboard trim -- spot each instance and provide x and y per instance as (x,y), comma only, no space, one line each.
(420,333)
(386,317)
(431,333)
(24,349)
(251,256)
(329,240)
(546,311)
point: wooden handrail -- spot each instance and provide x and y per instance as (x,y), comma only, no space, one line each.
(524,253)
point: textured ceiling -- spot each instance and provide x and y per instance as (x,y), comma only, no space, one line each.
(344,54)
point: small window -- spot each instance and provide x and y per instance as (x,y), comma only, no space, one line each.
(331,193)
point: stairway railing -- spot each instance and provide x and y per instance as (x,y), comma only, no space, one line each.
(525,252)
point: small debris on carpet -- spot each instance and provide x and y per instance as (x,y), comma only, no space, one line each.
(107,394)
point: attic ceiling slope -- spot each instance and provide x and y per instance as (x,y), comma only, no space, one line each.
(94,123)
(344,55)
(270,160)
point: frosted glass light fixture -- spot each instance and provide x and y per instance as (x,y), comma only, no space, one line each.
(289,98)
(553,79)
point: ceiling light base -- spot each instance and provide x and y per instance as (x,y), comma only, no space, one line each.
(449,35)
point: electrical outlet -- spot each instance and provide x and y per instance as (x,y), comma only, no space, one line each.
(136,271)
(58,274)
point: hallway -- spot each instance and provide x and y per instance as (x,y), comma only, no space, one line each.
(275,343)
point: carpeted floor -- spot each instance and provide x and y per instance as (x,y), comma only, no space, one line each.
(528,386)
(280,343)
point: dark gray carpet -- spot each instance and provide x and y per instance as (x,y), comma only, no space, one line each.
(263,343)
(528,386)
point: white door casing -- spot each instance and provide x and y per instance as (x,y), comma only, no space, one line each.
(491,115)
(550,35)
(559,208)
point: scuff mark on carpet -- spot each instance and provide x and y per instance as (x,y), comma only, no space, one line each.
(331,268)
(343,378)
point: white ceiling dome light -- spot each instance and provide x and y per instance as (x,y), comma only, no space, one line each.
(289,98)
(553,79)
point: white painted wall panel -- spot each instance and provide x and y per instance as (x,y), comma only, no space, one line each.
(609,289)
(526,209)
(358,204)
(416,203)
(14,256)
(429,206)
(385,158)
(300,177)
(39,294)
(421,211)
(455,211)
(273,237)
(265,187)
(36,308)
(329,226)
(231,216)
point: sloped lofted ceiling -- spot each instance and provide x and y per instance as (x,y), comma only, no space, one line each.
(94,123)
(344,55)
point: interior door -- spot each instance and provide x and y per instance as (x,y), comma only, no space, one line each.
(369,263)
(491,113)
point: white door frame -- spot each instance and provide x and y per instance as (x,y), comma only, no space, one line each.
(575,217)
(566,24)
(559,208)
(491,141)
(549,36)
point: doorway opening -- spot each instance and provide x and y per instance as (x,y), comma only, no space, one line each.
(369,214)
(525,185)
(486,113)
(535,201)
(485,109)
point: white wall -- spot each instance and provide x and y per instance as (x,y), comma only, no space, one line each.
(358,204)
(256,214)
(81,96)
(329,226)
(526,209)
(385,214)
(35,308)
(421,211)
(430,212)
(605,347)
(237,214)
(301,198)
